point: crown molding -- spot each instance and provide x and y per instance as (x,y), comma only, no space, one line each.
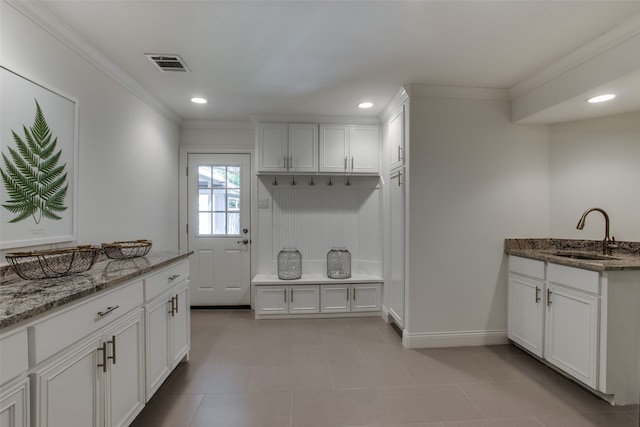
(398,99)
(457,92)
(626,30)
(41,16)
(352,120)
(215,124)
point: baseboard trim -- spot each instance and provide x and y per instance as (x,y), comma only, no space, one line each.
(454,339)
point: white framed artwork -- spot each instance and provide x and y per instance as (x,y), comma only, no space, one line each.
(38,163)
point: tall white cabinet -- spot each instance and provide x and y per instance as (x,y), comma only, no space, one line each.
(395,149)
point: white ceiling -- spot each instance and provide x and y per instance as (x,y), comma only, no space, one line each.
(323,57)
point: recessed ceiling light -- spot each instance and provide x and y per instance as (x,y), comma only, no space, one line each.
(365,105)
(601,98)
(198,100)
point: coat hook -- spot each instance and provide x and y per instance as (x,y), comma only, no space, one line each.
(330,181)
(275,180)
(348,181)
(293,181)
(311,182)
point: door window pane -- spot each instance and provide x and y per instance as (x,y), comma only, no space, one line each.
(219,200)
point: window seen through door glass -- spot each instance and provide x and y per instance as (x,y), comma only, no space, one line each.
(218,200)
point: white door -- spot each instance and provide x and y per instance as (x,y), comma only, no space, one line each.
(218,228)
(397,288)
(525,319)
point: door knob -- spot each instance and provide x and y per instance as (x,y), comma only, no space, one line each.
(244,241)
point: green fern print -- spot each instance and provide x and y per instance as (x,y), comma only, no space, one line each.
(35,184)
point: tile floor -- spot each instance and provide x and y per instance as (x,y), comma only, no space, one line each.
(355,372)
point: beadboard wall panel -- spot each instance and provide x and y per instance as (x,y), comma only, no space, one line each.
(316,218)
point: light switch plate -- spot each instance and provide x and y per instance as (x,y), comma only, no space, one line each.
(263,203)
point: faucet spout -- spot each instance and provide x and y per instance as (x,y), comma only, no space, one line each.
(606,242)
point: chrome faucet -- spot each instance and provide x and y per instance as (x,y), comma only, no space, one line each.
(608,243)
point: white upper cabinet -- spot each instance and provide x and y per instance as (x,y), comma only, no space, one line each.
(396,138)
(286,147)
(349,149)
(303,148)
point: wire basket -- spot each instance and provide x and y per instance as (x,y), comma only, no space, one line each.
(124,250)
(53,263)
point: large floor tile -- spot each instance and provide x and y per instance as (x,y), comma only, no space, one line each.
(169,410)
(313,354)
(428,403)
(193,378)
(430,370)
(291,378)
(589,420)
(513,399)
(244,410)
(504,422)
(338,409)
(368,375)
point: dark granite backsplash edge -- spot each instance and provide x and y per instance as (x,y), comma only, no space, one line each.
(630,248)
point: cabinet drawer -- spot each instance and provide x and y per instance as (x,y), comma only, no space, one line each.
(526,267)
(161,281)
(13,355)
(55,333)
(584,280)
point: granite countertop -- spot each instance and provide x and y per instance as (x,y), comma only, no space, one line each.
(23,299)
(625,257)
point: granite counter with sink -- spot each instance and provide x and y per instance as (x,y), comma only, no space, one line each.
(576,253)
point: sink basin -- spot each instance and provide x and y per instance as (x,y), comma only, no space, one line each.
(587,256)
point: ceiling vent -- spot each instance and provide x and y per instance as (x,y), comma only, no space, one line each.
(167,63)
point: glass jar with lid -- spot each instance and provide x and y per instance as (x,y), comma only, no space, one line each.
(338,263)
(289,264)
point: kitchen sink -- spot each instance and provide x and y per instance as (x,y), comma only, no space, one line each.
(587,256)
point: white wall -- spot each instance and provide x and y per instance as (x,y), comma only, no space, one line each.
(595,163)
(475,178)
(128,152)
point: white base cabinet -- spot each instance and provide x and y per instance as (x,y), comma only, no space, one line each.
(287,299)
(97,382)
(317,300)
(571,334)
(167,327)
(350,298)
(14,405)
(96,361)
(526,309)
(582,322)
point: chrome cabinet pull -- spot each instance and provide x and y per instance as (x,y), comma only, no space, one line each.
(173,277)
(537,294)
(345,163)
(291,299)
(171,312)
(290,162)
(284,159)
(399,152)
(354,294)
(549,297)
(113,349)
(103,349)
(352,163)
(109,310)
(176,303)
(347,294)
(285,295)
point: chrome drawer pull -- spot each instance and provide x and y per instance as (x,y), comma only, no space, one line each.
(109,310)
(173,277)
